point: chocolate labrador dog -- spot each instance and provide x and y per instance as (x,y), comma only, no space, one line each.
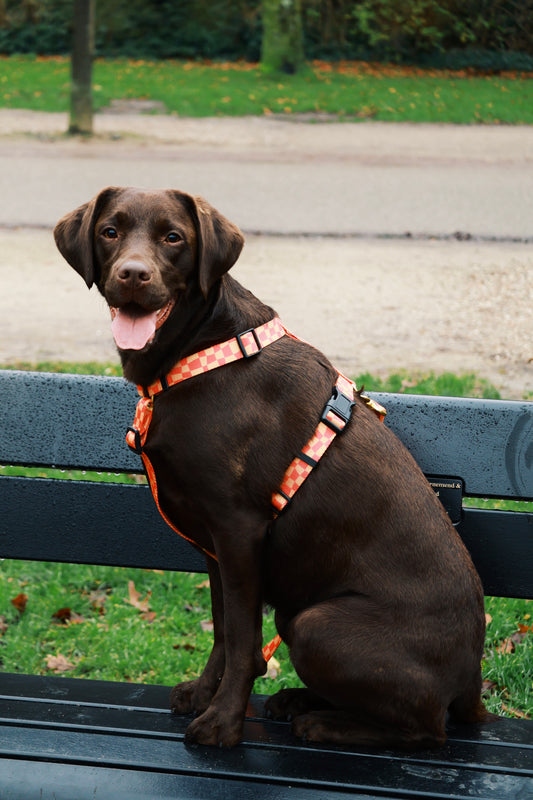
(373,590)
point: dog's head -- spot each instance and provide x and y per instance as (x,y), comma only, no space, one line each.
(144,250)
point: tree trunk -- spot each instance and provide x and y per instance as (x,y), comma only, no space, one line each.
(81,104)
(282,46)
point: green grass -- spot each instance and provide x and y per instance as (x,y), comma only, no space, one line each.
(446,384)
(101,634)
(69,368)
(104,636)
(348,90)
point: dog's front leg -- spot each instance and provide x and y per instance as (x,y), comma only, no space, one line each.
(239,558)
(195,696)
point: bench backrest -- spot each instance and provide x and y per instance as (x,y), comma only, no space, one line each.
(479,448)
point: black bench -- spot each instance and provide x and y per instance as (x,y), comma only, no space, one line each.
(77,739)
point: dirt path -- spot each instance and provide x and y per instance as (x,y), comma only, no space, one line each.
(371,305)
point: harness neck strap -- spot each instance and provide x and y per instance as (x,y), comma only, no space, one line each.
(244,345)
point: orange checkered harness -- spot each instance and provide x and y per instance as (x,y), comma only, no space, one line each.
(334,419)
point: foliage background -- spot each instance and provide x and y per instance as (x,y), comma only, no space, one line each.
(483,34)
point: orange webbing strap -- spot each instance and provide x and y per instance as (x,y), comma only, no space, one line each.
(304,463)
(136,438)
(244,345)
(335,417)
(270,648)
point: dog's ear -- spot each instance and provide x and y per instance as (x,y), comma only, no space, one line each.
(74,235)
(219,243)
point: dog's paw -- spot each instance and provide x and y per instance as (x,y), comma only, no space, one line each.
(214,729)
(190,697)
(181,698)
(288,704)
(312,728)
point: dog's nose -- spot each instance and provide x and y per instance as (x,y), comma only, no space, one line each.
(134,272)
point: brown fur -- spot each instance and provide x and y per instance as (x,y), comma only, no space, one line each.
(374,592)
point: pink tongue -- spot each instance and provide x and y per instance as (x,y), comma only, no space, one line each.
(133,333)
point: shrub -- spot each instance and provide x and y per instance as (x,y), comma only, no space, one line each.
(485,34)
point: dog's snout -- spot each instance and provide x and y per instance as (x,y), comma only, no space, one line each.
(134,273)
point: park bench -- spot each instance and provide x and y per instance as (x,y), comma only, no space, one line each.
(72,739)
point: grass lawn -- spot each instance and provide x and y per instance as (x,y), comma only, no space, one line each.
(155,627)
(349,90)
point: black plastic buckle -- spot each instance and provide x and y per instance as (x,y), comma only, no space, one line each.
(242,347)
(137,448)
(341,405)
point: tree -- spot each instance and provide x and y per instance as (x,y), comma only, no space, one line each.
(81,105)
(282,45)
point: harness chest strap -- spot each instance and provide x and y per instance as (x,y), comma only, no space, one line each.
(244,345)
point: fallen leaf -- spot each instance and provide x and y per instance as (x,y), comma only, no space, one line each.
(506,646)
(203,585)
(63,614)
(67,616)
(186,646)
(516,712)
(488,619)
(488,687)
(98,599)
(20,602)
(148,616)
(134,598)
(58,664)
(3,624)
(207,625)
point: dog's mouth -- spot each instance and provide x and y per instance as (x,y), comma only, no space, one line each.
(134,328)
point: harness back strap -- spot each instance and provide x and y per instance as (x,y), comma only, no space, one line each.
(335,417)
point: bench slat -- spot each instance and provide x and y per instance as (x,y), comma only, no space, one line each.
(67,421)
(487,443)
(71,521)
(75,737)
(79,421)
(83,522)
(501,546)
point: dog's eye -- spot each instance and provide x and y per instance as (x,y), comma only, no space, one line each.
(110,233)
(173,237)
